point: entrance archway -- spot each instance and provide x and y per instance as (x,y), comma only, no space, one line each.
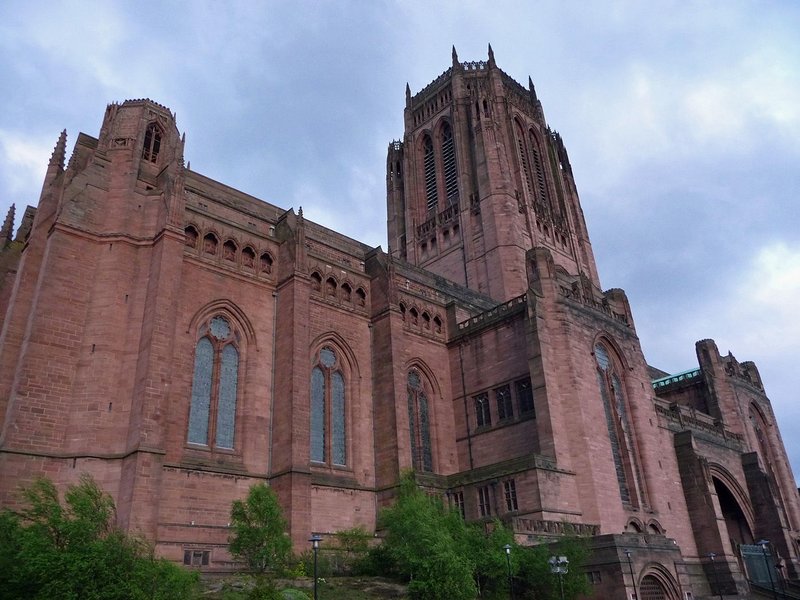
(736,522)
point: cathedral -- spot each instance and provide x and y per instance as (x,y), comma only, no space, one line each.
(180,341)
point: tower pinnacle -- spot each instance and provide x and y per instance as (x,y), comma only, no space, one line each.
(59,152)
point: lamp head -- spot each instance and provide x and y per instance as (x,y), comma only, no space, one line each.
(315,540)
(507,548)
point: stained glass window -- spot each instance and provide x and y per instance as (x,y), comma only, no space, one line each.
(482,413)
(214,387)
(525,396)
(504,408)
(328,411)
(201,392)
(619,431)
(419,424)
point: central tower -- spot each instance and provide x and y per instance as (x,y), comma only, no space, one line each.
(479,179)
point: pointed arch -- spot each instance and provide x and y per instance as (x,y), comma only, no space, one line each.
(524,158)
(421,388)
(221,338)
(449,168)
(153,135)
(719,473)
(609,368)
(334,374)
(429,173)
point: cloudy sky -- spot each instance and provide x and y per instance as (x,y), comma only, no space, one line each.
(682,121)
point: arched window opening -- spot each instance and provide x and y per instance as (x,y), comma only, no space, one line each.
(414,316)
(437,324)
(619,431)
(419,424)
(347,292)
(210,244)
(316,281)
(449,165)
(266,263)
(426,320)
(249,257)
(191,236)
(429,165)
(523,158)
(403,311)
(361,297)
(229,250)
(212,413)
(541,184)
(330,287)
(328,410)
(152,143)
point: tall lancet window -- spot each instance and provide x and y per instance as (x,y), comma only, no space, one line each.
(328,434)
(449,165)
(212,415)
(538,171)
(619,430)
(523,159)
(419,424)
(429,166)
(152,143)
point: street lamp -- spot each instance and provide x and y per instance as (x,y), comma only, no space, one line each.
(763,544)
(315,540)
(630,566)
(559,565)
(712,556)
(507,548)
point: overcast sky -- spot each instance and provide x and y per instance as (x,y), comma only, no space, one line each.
(682,122)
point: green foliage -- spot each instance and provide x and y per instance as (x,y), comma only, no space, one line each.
(354,540)
(425,544)
(534,579)
(442,557)
(259,530)
(73,551)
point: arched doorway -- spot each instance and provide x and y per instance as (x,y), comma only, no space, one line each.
(739,531)
(650,588)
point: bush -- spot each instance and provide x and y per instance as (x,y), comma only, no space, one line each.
(74,551)
(259,531)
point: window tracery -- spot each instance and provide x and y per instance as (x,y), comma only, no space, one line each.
(152,143)
(328,421)
(212,412)
(419,424)
(619,431)
(429,166)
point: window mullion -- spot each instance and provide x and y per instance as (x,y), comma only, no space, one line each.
(214,405)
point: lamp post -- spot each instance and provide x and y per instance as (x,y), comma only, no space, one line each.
(315,540)
(507,548)
(712,556)
(630,566)
(559,565)
(763,544)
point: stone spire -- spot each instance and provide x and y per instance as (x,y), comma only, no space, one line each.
(455,56)
(7,231)
(491,57)
(532,90)
(59,152)
(408,95)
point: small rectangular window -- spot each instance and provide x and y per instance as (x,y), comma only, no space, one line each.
(484,505)
(505,409)
(458,503)
(482,414)
(196,558)
(525,396)
(510,491)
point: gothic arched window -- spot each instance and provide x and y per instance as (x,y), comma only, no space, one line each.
(619,430)
(419,424)
(449,165)
(212,415)
(523,158)
(152,143)
(429,165)
(328,433)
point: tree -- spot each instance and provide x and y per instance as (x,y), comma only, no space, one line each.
(537,582)
(424,544)
(259,530)
(73,550)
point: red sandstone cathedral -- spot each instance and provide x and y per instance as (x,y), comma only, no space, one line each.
(180,341)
